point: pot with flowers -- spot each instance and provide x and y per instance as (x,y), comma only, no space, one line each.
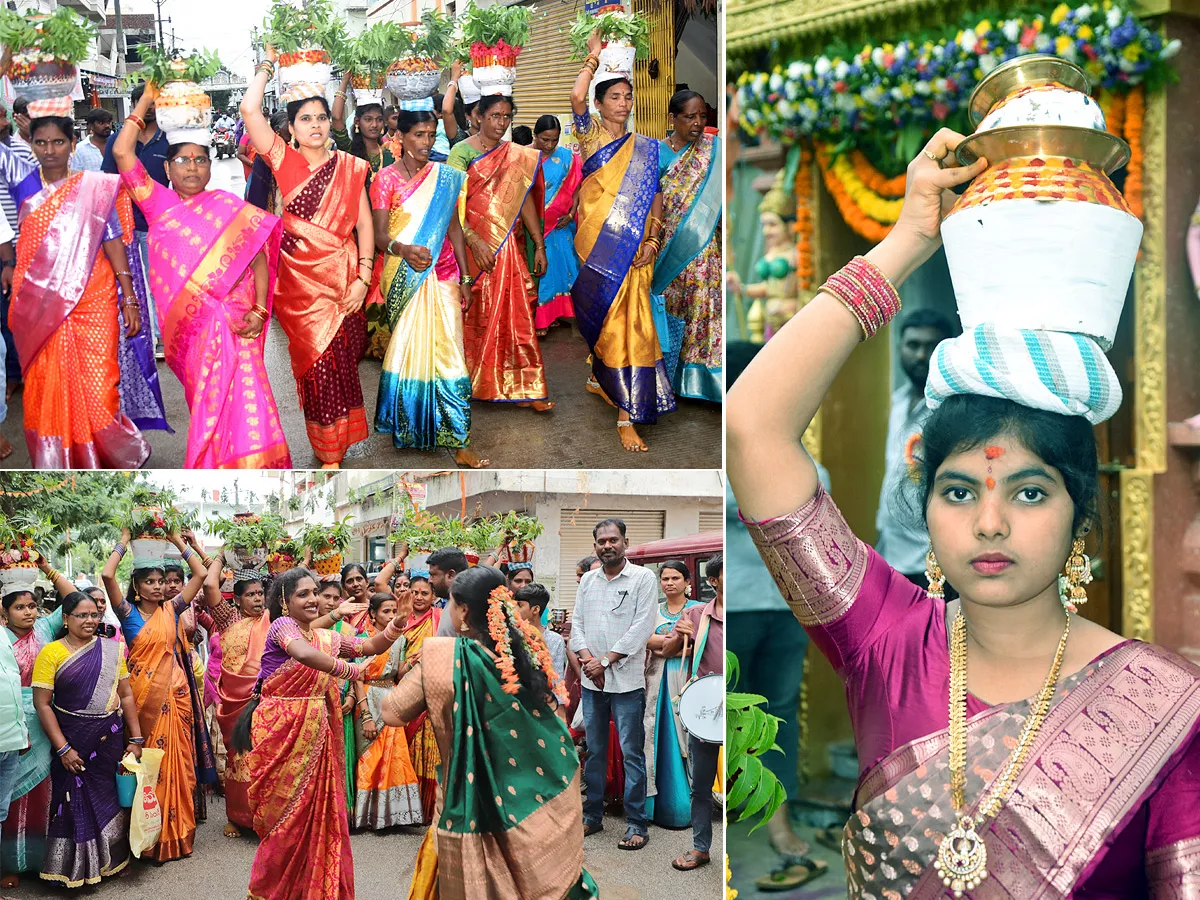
(244,538)
(368,57)
(416,72)
(484,537)
(285,551)
(182,108)
(19,558)
(44,51)
(418,533)
(495,36)
(517,536)
(624,38)
(151,517)
(328,543)
(303,36)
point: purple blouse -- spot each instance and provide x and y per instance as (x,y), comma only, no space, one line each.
(285,629)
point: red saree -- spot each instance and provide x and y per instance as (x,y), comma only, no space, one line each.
(242,646)
(501,347)
(318,265)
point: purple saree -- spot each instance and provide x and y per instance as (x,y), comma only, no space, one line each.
(1106,803)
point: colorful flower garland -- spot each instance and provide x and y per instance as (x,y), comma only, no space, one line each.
(856,217)
(500,614)
(806,270)
(1135,121)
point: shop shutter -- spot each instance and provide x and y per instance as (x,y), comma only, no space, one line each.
(545,75)
(712,520)
(652,96)
(575,536)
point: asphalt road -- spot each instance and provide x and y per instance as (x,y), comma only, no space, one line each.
(219,868)
(580,433)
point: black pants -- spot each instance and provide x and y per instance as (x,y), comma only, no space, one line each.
(704,772)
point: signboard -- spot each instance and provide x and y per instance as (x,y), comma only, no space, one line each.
(418,493)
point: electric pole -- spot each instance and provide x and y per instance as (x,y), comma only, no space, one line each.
(121,49)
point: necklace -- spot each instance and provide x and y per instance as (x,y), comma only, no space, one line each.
(671,144)
(46,183)
(962,856)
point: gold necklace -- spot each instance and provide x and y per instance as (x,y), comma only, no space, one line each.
(962,857)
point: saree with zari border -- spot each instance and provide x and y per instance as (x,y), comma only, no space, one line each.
(499,340)
(509,823)
(422,745)
(318,265)
(200,254)
(242,644)
(612,297)
(1104,805)
(64,311)
(562,172)
(388,792)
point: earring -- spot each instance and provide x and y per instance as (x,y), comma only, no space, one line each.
(933,574)
(1078,572)
(464,627)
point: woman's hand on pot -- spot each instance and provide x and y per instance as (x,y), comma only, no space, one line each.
(595,43)
(928,196)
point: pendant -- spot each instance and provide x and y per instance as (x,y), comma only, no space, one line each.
(962,858)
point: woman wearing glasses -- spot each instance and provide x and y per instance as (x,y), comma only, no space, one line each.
(213,259)
(86,708)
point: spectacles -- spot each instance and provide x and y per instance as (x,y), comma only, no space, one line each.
(85,616)
(201,161)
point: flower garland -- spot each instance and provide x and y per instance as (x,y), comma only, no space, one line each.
(805,269)
(855,216)
(874,179)
(535,641)
(1135,121)
(497,618)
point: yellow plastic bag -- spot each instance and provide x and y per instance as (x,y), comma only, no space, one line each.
(145,820)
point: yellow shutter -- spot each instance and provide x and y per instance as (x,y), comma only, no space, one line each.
(652,95)
(575,536)
(545,75)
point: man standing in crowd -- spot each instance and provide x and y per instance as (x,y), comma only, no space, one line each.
(613,621)
(89,153)
(704,627)
(22,151)
(903,540)
(152,153)
(443,565)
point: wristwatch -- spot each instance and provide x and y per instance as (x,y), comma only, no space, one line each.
(605,662)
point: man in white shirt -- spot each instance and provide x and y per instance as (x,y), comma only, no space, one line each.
(14,731)
(612,623)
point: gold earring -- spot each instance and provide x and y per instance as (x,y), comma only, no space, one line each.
(933,574)
(464,627)
(1078,572)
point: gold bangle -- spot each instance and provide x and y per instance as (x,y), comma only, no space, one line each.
(126,274)
(365,281)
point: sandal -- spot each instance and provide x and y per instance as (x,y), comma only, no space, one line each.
(629,843)
(691,860)
(827,837)
(793,871)
(589,830)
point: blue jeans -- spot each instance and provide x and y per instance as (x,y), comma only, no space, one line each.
(144,254)
(704,775)
(627,709)
(770,649)
(9,767)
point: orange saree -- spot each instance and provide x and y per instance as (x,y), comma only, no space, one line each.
(318,265)
(499,340)
(242,646)
(160,689)
(422,745)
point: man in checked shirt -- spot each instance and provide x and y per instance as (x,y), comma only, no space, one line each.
(611,624)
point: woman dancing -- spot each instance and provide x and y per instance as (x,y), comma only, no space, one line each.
(1043,754)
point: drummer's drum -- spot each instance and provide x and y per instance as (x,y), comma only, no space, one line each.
(702,708)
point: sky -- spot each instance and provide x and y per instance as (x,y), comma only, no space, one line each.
(221,25)
(187,484)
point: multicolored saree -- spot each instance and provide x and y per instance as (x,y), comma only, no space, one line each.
(200,254)
(611,297)
(318,264)
(64,310)
(388,792)
(498,332)
(350,727)
(422,744)
(425,390)
(687,273)
(562,172)
(242,644)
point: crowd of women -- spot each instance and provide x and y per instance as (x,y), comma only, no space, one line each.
(433,263)
(324,705)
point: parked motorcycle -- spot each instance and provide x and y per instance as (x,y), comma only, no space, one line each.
(223,143)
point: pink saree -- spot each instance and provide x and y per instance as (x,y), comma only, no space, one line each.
(200,254)
(1106,803)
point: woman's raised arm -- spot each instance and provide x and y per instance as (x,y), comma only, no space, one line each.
(109,575)
(125,146)
(261,134)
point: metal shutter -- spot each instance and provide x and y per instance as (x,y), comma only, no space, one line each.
(575,537)
(653,95)
(545,75)
(712,520)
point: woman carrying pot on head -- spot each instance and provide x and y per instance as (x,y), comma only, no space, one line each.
(490,696)
(85,704)
(292,731)
(687,272)
(503,201)
(460,114)
(619,225)
(562,172)
(214,298)
(1046,771)
(425,389)
(164,685)
(70,259)
(326,260)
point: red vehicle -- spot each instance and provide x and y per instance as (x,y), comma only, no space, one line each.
(693,549)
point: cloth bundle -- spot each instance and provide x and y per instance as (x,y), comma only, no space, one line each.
(1056,371)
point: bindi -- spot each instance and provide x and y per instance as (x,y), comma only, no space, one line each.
(991,453)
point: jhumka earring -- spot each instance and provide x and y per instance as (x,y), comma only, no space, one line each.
(933,574)
(1078,572)
(464,627)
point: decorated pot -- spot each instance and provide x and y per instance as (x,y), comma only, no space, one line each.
(308,66)
(1045,104)
(19,576)
(515,553)
(278,563)
(413,78)
(327,564)
(246,558)
(150,552)
(494,73)
(184,111)
(616,60)
(36,76)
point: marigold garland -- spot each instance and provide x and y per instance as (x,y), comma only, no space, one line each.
(535,642)
(1135,121)
(874,179)
(862,223)
(805,268)
(497,618)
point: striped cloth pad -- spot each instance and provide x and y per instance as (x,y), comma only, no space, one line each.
(1051,370)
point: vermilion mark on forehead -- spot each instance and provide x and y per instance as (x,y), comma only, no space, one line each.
(991,483)
(993,452)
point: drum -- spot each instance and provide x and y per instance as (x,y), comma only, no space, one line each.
(702,708)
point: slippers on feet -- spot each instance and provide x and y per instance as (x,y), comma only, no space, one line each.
(691,860)
(589,830)
(792,872)
(634,841)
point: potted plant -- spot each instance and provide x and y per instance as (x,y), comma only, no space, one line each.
(495,36)
(303,37)
(244,538)
(328,543)
(183,109)
(518,534)
(19,557)
(415,73)
(624,36)
(44,51)
(150,517)
(485,536)
(368,58)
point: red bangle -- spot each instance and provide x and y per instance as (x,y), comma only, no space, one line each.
(136,120)
(866,293)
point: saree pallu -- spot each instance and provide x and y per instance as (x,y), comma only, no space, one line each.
(1103,803)
(242,646)
(88,838)
(318,264)
(350,729)
(424,399)
(63,312)
(388,791)
(141,392)
(668,781)
(200,255)
(422,742)
(499,340)
(159,680)
(23,835)
(687,274)
(296,787)
(562,172)
(611,297)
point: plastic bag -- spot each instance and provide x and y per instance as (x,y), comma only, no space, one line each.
(145,821)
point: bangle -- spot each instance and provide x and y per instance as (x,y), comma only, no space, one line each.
(361,702)
(126,274)
(260,311)
(467,280)
(187,554)
(52,574)
(392,631)
(207,562)
(119,550)
(866,293)
(63,750)
(341,94)
(365,281)
(336,615)
(136,120)
(137,740)
(367,259)
(452,84)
